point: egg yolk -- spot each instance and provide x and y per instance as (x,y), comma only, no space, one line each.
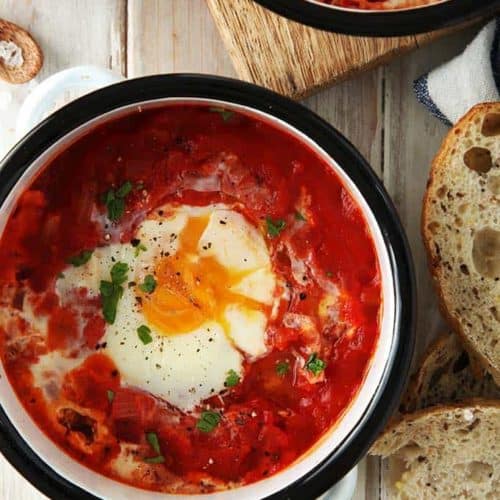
(191,289)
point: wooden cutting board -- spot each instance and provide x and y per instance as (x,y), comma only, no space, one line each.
(296,60)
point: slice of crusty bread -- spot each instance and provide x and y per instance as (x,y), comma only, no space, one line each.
(461,229)
(447,374)
(31,53)
(444,452)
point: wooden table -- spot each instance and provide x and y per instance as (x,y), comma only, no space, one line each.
(376,111)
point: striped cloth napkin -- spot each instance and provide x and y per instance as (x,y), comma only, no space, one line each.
(450,90)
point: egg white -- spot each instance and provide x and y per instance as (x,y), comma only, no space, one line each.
(183,368)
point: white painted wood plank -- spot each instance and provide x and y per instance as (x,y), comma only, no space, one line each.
(70,32)
(360,493)
(13,486)
(412,138)
(174,36)
(354,108)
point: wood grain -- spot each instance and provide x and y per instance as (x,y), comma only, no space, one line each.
(93,27)
(412,137)
(291,58)
(354,108)
(174,36)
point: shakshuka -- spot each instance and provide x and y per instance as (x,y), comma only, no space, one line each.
(380,4)
(190,299)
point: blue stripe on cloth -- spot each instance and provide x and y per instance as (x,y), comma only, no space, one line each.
(421,89)
(495,55)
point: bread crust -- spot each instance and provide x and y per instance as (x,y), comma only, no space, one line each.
(439,163)
(32,54)
(410,418)
(446,346)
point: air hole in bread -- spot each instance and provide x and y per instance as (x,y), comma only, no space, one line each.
(441,192)
(433,227)
(479,472)
(493,184)
(410,452)
(491,125)
(478,159)
(486,252)
(495,313)
(461,363)
(474,424)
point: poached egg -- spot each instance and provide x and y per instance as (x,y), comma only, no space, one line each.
(213,292)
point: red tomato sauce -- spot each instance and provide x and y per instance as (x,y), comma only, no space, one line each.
(379,4)
(280,408)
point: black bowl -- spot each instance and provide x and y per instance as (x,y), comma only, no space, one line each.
(382,23)
(12,444)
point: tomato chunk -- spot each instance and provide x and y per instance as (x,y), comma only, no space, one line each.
(88,384)
(133,412)
(94,330)
(62,328)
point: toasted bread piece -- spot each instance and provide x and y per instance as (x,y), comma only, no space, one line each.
(31,54)
(444,452)
(448,374)
(461,230)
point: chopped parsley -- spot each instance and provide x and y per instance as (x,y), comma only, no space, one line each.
(299,216)
(208,421)
(119,273)
(60,276)
(153,441)
(110,295)
(274,227)
(124,190)
(144,333)
(225,113)
(111,395)
(282,368)
(82,258)
(115,201)
(155,460)
(232,379)
(112,291)
(149,284)
(139,248)
(314,364)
